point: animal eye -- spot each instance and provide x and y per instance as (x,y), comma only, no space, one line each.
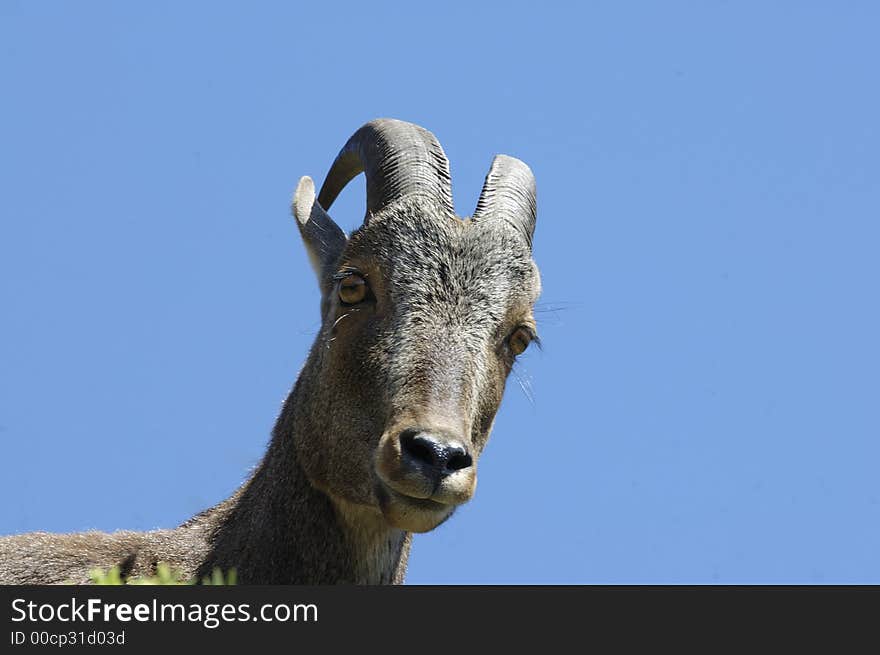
(352,289)
(519,340)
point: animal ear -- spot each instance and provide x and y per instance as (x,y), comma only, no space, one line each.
(324,239)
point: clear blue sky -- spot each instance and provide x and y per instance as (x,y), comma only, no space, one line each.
(706,404)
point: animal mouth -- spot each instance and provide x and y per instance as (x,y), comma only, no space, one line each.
(410,512)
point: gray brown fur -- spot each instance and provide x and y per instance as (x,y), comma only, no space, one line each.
(336,498)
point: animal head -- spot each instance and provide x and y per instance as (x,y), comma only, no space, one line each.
(423,316)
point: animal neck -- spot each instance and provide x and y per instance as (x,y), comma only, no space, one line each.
(279,529)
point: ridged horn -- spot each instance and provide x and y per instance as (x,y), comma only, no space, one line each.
(509,193)
(399,160)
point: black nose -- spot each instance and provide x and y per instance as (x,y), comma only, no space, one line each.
(434,454)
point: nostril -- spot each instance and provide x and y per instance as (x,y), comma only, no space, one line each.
(417,447)
(459,459)
(443,457)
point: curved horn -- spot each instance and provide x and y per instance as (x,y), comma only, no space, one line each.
(509,192)
(399,159)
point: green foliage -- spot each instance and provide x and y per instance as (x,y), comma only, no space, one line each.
(165,575)
(218,579)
